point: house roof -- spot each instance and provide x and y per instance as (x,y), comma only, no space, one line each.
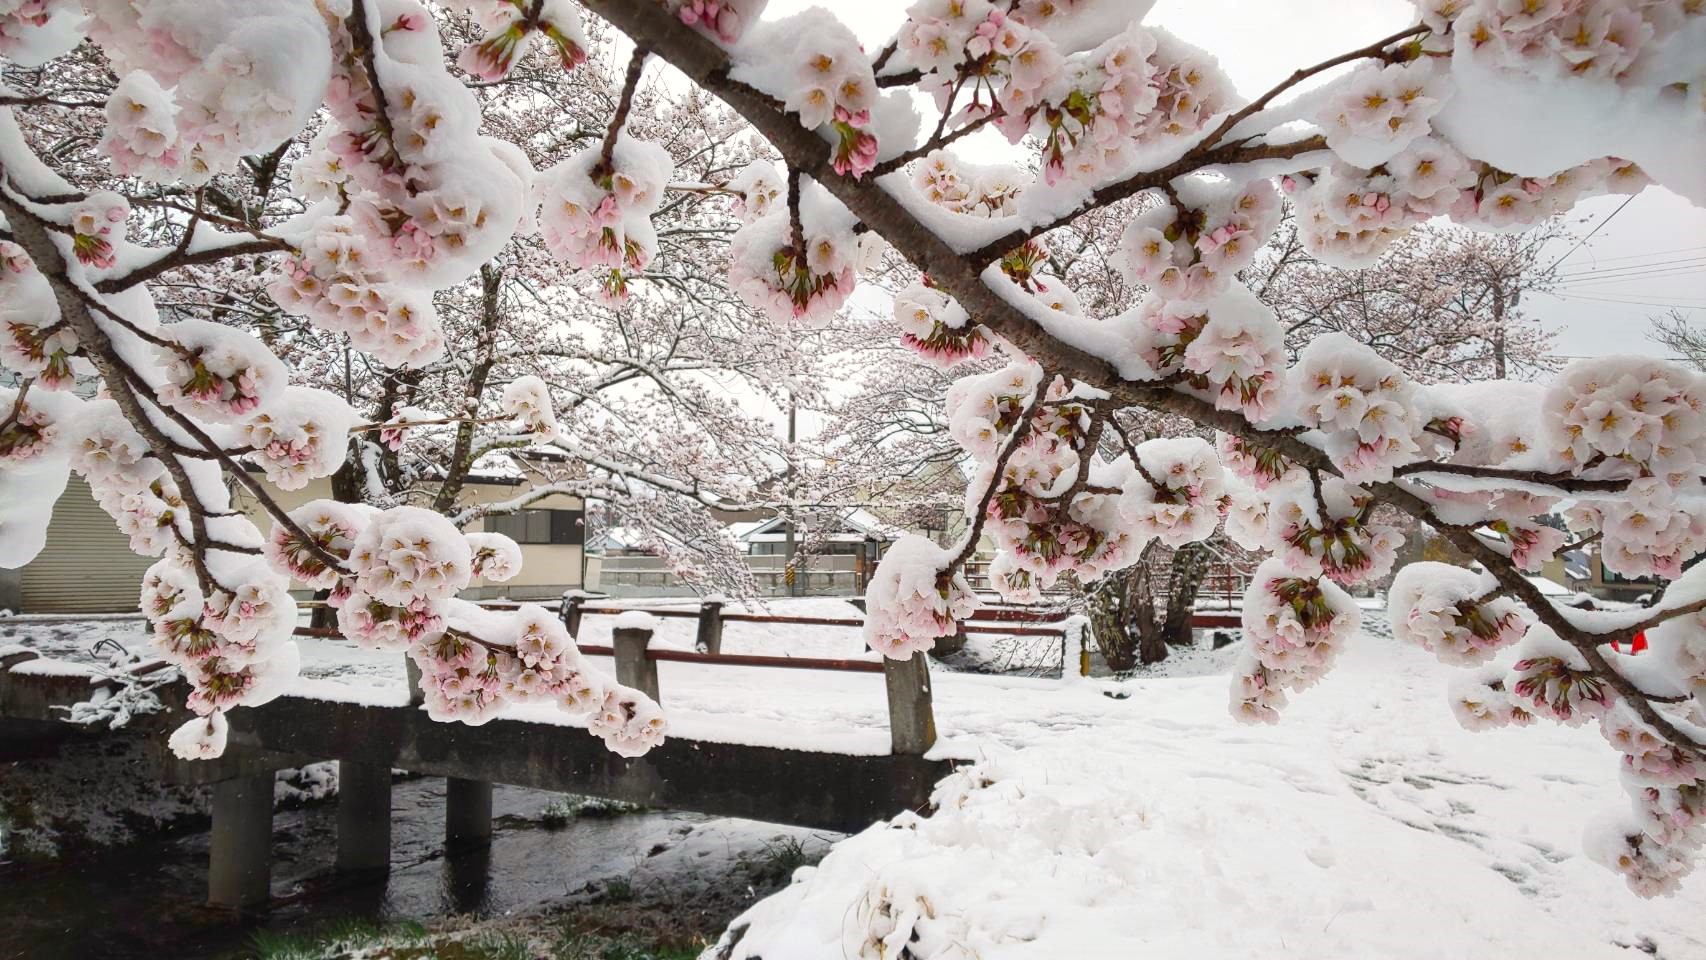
(857,525)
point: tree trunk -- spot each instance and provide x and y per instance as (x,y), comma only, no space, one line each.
(1184,580)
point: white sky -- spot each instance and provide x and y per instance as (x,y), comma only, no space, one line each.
(1656,244)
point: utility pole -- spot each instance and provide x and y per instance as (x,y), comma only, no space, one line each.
(790,570)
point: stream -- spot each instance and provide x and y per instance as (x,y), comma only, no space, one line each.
(145,900)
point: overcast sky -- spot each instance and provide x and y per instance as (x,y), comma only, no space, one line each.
(1647,259)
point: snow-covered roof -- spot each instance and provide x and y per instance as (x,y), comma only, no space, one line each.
(857,525)
(628,538)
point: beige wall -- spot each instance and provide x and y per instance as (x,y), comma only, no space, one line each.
(547,569)
(87,566)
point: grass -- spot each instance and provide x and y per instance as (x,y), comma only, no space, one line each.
(331,939)
(564,810)
(590,946)
(774,867)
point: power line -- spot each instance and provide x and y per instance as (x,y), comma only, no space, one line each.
(1629,302)
(1662,275)
(1637,256)
(1632,268)
(1585,239)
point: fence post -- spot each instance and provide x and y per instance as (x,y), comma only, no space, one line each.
(912,721)
(632,667)
(710,638)
(239,863)
(412,677)
(570,611)
(364,816)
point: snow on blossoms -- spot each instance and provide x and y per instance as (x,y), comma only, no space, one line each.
(933,325)
(598,216)
(1228,346)
(528,400)
(1174,493)
(1452,612)
(510,27)
(914,597)
(1295,627)
(242,79)
(34,342)
(986,53)
(815,65)
(216,373)
(335,283)
(1137,87)
(1331,530)
(300,435)
(804,279)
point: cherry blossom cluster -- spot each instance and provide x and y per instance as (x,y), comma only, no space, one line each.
(1562,37)
(241,80)
(1330,531)
(217,373)
(1362,402)
(33,341)
(1296,627)
(97,221)
(724,20)
(510,28)
(984,51)
(1194,253)
(598,216)
(33,32)
(804,279)
(1452,613)
(335,282)
(1649,414)
(914,598)
(936,327)
(299,435)
(1227,347)
(394,575)
(1175,492)
(757,187)
(1382,108)
(528,400)
(1136,87)
(831,85)
(430,199)
(1649,531)
(1493,199)
(234,646)
(976,190)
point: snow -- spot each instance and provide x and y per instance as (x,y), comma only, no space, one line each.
(1154,825)
(635,620)
(1414,818)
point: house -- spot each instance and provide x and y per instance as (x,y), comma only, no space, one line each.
(87,566)
(1587,573)
(840,563)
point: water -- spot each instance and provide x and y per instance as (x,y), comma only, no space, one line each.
(146,900)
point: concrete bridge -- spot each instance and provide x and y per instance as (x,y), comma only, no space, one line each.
(826,790)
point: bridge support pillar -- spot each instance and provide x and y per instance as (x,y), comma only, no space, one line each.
(632,667)
(364,816)
(912,720)
(467,811)
(239,870)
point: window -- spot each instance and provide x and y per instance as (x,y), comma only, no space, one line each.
(540,526)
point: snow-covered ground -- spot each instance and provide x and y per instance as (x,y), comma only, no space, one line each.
(1367,824)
